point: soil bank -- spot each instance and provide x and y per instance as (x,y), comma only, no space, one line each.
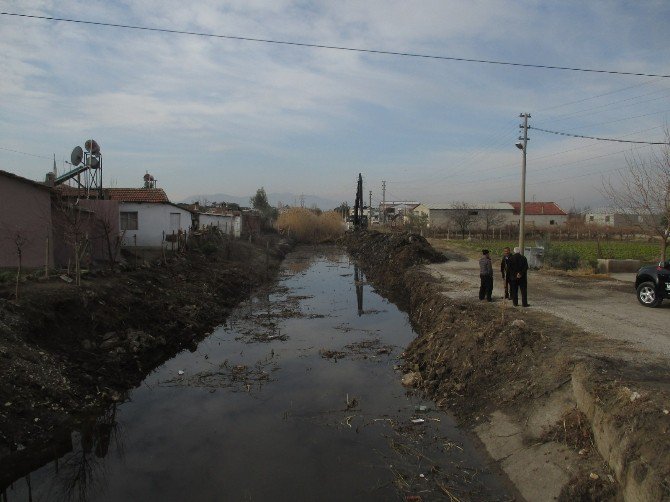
(563,421)
(68,351)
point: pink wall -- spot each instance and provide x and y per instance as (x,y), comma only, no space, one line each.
(25,211)
(93,220)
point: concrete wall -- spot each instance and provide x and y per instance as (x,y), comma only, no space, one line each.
(25,211)
(153,223)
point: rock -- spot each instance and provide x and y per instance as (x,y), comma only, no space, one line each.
(519,323)
(411,379)
(109,335)
(109,344)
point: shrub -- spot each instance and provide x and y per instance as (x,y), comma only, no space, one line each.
(564,259)
(208,248)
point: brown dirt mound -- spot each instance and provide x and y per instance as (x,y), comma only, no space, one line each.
(387,255)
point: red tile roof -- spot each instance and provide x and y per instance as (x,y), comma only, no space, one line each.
(137,194)
(539,208)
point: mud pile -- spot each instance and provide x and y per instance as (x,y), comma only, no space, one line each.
(66,350)
(471,359)
(387,255)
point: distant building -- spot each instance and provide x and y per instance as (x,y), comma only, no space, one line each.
(540,214)
(497,214)
(611,217)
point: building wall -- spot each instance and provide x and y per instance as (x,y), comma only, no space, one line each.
(25,210)
(223,221)
(443,218)
(153,223)
(237,226)
(612,219)
(544,220)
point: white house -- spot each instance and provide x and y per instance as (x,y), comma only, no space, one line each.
(224,222)
(147,218)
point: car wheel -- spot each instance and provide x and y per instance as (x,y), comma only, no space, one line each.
(646,295)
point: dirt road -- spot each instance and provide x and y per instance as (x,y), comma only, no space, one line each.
(604,307)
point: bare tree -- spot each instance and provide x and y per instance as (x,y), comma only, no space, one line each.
(643,189)
(75,224)
(19,242)
(491,218)
(463,215)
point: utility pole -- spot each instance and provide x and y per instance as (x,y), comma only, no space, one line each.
(523,146)
(383,202)
(370,208)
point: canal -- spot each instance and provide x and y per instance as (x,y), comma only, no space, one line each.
(296,397)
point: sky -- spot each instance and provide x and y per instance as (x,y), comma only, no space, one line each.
(210,115)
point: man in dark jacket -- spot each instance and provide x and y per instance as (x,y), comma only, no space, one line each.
(504,269)
(518,271)
(485,276)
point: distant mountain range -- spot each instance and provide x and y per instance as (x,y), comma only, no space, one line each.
(289,199)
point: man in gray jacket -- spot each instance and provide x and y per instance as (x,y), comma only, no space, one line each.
(485,276)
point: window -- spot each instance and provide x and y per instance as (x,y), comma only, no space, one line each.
(473,213)
(128,220)
(591,218)
(552,222)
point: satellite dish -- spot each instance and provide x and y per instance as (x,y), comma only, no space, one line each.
(92,161)
(76,156)
(92,146)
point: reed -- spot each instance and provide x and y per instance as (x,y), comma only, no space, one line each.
(309,226)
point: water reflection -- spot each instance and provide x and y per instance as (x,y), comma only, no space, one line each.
(358,282)
(77,465)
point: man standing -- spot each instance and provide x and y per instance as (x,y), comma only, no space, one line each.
(504,269)
(485,276)
(518,271)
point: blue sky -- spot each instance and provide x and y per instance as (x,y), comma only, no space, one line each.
(208,115)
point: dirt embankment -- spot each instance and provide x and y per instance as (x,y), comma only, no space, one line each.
(68,351)
(562,420)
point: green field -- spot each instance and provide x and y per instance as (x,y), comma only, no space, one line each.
(587,250)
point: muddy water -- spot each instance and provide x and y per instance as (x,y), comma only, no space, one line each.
(295,398)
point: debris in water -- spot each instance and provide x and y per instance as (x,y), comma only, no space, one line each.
(418,420)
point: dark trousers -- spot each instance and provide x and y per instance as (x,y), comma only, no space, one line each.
(521,284)
(486,287)
(507,285)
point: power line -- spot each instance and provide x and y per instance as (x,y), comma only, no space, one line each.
(24,153)
(600,139)
(332,47)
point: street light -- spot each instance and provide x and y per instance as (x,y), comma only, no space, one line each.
(523,146)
